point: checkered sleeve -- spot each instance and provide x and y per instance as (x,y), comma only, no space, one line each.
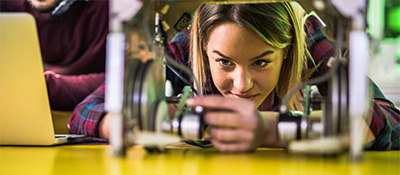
(87,115)
(385,122)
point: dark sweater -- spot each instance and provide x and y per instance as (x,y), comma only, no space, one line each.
(73,48)
(74,42)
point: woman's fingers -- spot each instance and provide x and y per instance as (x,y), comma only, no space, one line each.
(230,119)
(227,112)
(236,125)
(219,102)
(232,147)
(231,135)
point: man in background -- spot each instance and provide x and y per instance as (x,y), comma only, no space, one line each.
(72,36)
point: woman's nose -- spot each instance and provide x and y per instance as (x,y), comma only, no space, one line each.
(243,80)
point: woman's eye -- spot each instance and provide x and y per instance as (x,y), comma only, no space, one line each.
(261,63)
(223,62)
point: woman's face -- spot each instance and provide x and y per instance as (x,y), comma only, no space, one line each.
(242,64)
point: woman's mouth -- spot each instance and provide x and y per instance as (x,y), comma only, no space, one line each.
(244,96)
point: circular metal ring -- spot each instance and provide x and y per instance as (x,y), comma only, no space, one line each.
(130,118)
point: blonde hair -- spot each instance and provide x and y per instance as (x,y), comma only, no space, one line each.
(276,23)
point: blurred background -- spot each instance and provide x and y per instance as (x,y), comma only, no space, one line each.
(384,29)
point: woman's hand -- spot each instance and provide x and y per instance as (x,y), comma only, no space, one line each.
(235,124)
(104,126)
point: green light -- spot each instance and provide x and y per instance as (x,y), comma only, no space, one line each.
(375,18)
(394,22)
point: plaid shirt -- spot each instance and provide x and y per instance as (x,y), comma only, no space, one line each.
(385,117)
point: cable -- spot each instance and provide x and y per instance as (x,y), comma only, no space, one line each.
(177,74)
(170,63)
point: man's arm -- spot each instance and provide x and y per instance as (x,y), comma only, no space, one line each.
(65,92)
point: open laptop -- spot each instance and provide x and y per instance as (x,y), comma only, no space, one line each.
(25,115)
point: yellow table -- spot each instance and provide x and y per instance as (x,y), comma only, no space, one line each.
(94,159)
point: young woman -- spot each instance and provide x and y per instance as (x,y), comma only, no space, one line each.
(245,59)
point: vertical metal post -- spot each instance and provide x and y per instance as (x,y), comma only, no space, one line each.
(358,89)
(120,11)
(358,66)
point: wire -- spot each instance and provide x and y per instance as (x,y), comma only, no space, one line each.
(177,74)
(170,63)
